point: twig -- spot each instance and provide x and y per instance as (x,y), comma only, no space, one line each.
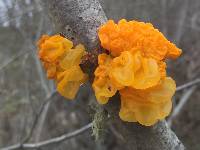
(50,141)
(116,133)
(41,74)
(9,61)
(49,98)
(180,105)
(189,84)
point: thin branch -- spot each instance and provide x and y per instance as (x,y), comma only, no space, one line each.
(180,105)
(13,58)
(50,141)
(44,108)
(116,133)
(182,18)
(45,86)
(49,98)
(189,84)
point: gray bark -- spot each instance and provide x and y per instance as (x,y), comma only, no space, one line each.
(79,21)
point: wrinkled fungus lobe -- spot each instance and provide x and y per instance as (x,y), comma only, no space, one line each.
(148,105)
(61,62)
(136,68)
(133,36)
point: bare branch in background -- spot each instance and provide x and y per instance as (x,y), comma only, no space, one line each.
(55,140)
(177,109)
(11,60)
(31,46)
(45,86)
(116,133)
(189,84)
(37,117)
(35,122)
(181,21)
(180,105)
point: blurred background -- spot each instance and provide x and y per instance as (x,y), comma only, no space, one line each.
(24,88)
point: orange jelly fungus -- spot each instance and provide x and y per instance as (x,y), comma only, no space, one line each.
(136,68)
(61,62)
(103,87)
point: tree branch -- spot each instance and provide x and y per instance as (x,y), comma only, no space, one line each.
(189,84)
(50,141)
(37,117)
(78,20)
(180,105)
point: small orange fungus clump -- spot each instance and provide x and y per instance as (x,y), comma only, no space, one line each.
(61,62)
(136,68)
(102,84)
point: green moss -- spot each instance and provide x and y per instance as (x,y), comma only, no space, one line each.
(99,123)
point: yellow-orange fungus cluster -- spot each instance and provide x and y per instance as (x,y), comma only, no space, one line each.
(136,68)
(61,62)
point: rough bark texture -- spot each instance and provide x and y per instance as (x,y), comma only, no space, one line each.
(79,20)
